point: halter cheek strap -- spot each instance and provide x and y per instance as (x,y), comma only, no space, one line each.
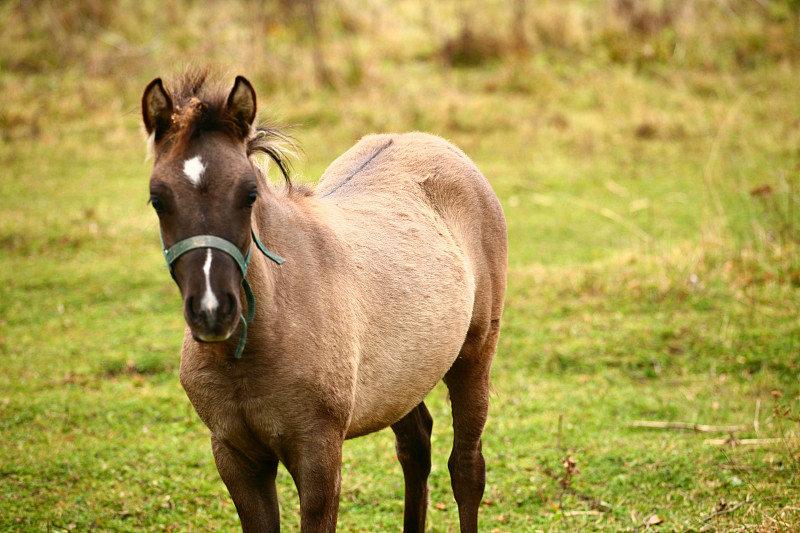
(242,261)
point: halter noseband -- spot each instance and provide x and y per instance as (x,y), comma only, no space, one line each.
(242,261)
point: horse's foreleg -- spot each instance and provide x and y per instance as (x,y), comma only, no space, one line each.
(413,445)
(468,383)
(252,488)
(315,463)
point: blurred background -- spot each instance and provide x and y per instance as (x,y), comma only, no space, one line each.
(647,156)
(644,108)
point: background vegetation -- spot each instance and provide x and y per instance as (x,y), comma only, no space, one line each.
(647,155)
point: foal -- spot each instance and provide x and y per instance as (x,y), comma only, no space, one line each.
(394,279)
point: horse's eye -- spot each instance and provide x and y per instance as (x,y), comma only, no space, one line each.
(157,204)
(251,199)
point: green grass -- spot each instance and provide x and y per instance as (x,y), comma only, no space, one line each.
(649,279)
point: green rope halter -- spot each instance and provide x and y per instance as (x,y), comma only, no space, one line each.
(242,261)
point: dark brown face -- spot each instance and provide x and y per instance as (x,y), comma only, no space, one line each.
(209,191)
(205,186)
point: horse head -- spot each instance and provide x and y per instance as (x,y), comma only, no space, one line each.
(203,187)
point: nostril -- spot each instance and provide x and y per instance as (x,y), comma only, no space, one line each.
(191,311)
(230,309)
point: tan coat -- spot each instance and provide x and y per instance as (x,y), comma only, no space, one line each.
(394,280)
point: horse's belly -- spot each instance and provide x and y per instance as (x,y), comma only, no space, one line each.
(412,291)
(406,354)
(379,405)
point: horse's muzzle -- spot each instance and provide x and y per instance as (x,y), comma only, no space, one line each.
(212,321)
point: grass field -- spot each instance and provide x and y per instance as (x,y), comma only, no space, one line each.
(647,156)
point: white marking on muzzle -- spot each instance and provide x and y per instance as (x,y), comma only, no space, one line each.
(209,302)
(194,169)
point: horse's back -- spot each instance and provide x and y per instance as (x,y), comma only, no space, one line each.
(389,170)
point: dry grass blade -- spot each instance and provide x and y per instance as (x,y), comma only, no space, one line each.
(698,428)
(722,508)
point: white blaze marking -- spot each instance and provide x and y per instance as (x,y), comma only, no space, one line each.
(209,301)
(194,169)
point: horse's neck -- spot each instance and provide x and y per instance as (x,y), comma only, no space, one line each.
(273,223)
(284,226)
(295,228)
(269,209)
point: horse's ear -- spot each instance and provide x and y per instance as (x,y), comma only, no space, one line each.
(156,109)
(242,102)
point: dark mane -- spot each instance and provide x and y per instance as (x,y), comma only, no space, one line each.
(200,105)
(276,144)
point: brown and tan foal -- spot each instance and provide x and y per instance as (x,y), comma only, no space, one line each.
(394,279)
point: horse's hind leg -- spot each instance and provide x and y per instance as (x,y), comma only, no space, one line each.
(413,445)
(468,383)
